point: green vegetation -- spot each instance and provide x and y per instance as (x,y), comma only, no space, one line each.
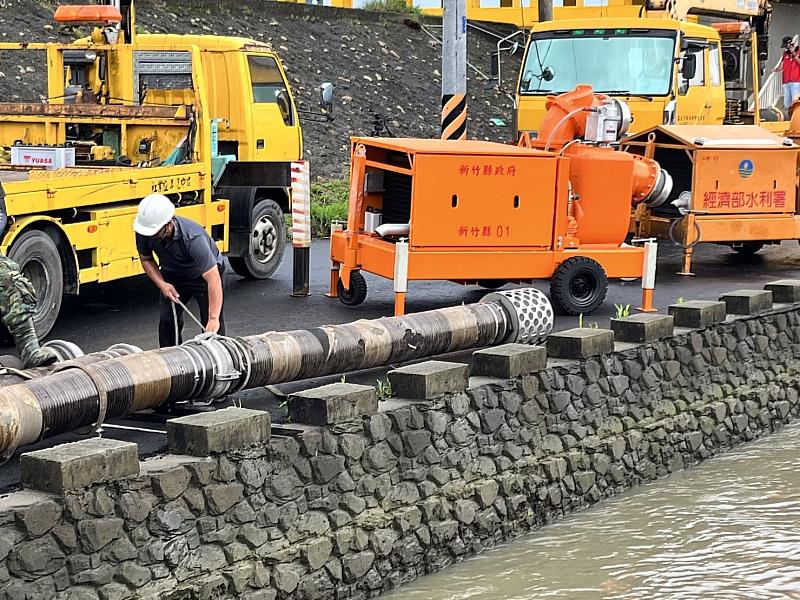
(384,388)
(393,6)
(328,203)
(623,310)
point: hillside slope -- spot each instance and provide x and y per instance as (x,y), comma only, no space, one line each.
(378,63)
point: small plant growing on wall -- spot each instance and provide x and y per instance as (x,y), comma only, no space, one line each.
(623,310)
(384,388)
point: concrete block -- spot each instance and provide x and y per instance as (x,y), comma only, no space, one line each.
(509,360)
(747,302)
(698,314)
(581,342)
(79,465)
(785,290)
(219,431)
(428,380)
(332,404)
(637,329)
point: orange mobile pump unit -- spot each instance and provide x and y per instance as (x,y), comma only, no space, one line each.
(556,207)
(735,185)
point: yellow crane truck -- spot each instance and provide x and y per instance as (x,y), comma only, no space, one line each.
(208,121)
(659,57)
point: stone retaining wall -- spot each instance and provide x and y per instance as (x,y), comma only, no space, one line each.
(375,494)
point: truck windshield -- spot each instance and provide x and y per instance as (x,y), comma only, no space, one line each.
(639,65)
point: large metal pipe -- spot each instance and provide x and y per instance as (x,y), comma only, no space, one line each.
(81,394)
(12,372)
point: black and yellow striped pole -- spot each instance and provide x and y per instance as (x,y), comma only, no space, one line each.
(454,70)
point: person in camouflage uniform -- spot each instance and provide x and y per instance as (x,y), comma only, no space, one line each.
(17,305)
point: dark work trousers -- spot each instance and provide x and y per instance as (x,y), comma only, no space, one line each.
(197,289)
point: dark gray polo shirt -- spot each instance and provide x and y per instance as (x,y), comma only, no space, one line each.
(187,255)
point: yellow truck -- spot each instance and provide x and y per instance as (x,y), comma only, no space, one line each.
(667,66)
(208,121)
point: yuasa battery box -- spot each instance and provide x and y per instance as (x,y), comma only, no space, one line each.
(48,157)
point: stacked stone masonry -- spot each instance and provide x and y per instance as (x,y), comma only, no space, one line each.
(353,508)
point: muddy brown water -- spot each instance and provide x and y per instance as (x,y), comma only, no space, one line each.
(727,529)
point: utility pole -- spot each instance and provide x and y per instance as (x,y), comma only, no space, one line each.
(545,10)
(454,70)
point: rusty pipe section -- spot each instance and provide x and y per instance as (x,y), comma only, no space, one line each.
(79,394)
(66,352)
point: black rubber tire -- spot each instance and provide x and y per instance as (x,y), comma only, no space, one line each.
(748,248)
(39,260)
(267,243)
(492,284)
(357,292)
(579,286)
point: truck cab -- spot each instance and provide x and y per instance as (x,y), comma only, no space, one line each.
(208,121)
(248,94)
(667,71)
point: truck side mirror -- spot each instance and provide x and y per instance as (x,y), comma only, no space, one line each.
(326,99)
(548,74)
(689,66)
(326,93)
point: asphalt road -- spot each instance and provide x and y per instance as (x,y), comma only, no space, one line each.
(127,311)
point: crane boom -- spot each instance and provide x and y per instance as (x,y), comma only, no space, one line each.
(732,9)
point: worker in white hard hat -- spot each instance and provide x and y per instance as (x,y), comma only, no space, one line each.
(190,266)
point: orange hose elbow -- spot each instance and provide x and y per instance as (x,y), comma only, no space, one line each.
(651,184)
(794,120)
(558,127)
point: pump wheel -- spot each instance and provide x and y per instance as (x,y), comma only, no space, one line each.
(357,292)
(748,248)
(267,243)
(579,285)
(38,258)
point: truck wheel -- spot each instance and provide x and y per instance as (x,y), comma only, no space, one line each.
(357,292)
(579,285)
(267,243)
(748,248)
(492,284)
(39,260)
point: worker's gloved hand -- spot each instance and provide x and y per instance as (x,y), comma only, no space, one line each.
(27,344)
(169,291)
(212,326)
(39,358)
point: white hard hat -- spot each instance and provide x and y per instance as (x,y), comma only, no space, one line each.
(155,211)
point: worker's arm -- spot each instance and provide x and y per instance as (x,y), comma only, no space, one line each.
(214,282)
(154,274)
